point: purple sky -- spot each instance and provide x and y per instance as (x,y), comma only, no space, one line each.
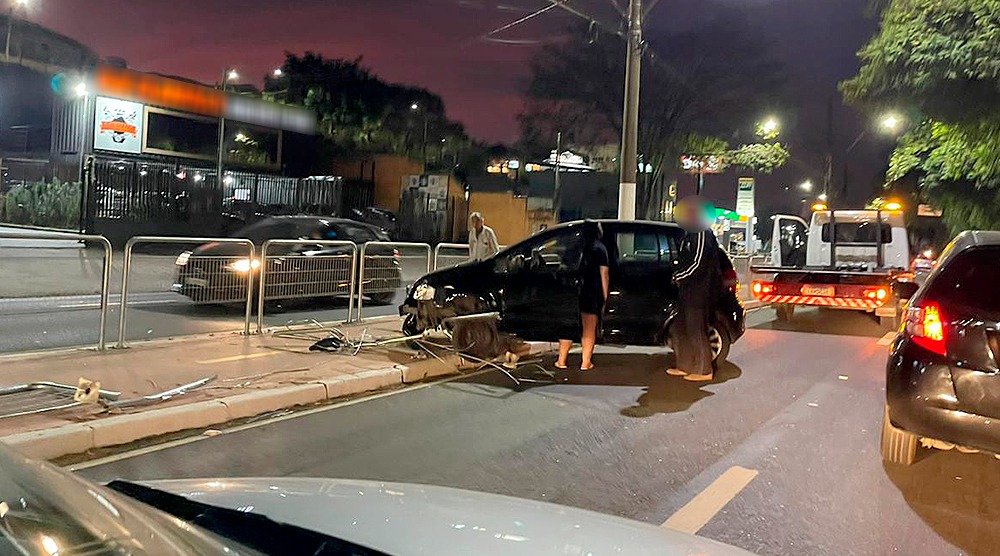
(438,45)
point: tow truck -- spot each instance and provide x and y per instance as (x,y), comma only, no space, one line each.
(853,260)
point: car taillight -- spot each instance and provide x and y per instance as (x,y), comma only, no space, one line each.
(880,294)
(760,288)
(730,280)
(925,324)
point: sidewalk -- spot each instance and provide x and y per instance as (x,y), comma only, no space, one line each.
(255,375)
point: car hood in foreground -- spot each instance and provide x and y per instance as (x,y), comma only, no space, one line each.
(407,519)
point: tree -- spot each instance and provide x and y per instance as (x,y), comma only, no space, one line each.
(360,112)
(939,60)
(712,81)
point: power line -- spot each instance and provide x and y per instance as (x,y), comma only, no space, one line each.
(523,19)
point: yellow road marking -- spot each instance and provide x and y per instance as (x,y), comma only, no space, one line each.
(703,507)
(887,339)
(238,357)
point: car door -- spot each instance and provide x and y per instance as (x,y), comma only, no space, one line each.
(642,292)
(541,279)
(788,241)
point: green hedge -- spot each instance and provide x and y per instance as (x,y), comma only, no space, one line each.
(53,204)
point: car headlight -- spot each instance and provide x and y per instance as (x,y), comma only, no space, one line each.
(244,265)
(182,259)
(423,292)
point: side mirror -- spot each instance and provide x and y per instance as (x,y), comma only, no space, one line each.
(906,290)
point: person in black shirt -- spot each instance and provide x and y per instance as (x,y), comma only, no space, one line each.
(696,274)
(594,284)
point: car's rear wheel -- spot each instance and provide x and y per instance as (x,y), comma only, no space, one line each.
(898,446)
(719,343)
(784,311)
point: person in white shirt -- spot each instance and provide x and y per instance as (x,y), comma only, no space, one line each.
(483,242)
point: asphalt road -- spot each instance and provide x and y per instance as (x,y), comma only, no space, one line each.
(798,412)
(68,321)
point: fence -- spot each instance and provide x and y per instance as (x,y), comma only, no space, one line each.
(450,258)
(105,272)
(211,279)
(306,269)
(385,268)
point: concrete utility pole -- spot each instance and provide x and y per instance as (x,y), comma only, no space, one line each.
(556,201)
(630,118)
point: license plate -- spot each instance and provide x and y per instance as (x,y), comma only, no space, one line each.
(199,282)
(820,291)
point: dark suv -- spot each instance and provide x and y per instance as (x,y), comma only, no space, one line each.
(943,376)
(533,285)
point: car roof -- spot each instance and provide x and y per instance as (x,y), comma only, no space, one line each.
(617,222)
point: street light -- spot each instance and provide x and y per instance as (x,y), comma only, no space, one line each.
(277,72)
(890,123)
(769,128)
(231,75)
(806,185)
(823,197)
(80,89)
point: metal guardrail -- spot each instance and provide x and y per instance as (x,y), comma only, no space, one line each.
(216,261)
(105,273)
(454,246)
(369,272)
(313,275)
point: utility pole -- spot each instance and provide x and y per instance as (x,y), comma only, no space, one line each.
(630,118)
(556,201)
(828,170)
(219,180)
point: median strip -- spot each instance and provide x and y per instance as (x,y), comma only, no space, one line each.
(709,502)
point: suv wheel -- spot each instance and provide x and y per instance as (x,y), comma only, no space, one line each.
(719,343)
(898,446)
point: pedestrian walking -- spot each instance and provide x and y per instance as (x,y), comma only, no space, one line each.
(594,284)
(696,273)
(483,242)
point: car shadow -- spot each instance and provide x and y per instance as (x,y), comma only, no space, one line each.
(827,321)
(662,393)
(955,495)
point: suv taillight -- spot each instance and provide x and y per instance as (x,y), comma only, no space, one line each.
(925,324)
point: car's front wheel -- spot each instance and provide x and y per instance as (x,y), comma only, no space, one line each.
(382,298)
(898,446)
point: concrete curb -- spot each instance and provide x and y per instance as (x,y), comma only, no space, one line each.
(76,438)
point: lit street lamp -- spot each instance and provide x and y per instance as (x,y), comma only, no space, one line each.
(806,185)
(277,72)
(423,146)
(822,197)
(768,129)
(889,123)
(228,74)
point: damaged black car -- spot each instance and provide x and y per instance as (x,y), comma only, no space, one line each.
(531,291)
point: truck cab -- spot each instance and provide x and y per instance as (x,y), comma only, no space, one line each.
(842,259)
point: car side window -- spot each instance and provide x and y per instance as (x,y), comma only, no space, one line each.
(647,247)
(549,253)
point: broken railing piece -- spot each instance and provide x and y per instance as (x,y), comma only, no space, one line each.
(40,397)
(162,396)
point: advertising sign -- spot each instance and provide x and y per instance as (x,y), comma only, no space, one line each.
(118,125)
(745,197)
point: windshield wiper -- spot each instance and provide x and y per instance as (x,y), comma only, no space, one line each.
(254,531)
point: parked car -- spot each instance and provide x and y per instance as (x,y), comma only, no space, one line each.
(943,374)
(533,286)
(45,511)
(379,217)
(218,272)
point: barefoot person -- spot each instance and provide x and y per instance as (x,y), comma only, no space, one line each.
(696,271)
(594,274)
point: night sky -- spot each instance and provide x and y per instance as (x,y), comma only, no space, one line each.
(438,44)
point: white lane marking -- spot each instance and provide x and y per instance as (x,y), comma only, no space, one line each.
(887,339)
(191,439)
(238,357)
(703,507)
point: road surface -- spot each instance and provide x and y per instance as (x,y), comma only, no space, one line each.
(68,321)
(779,455)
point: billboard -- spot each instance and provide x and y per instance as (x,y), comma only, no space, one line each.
(745,197)
(118,125)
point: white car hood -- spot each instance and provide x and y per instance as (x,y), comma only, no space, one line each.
(407,519)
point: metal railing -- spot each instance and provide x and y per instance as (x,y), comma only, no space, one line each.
(743,265)
(226,287)
(105,272)
(383,272)
(450,246)
(307,274)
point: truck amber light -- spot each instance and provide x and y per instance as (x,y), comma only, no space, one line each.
(878,294)
(761,288)
(925,325)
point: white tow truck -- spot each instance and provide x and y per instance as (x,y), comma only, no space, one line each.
(843,259)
